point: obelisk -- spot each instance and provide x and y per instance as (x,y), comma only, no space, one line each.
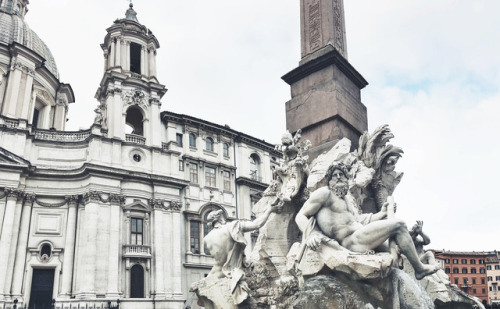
(325,87)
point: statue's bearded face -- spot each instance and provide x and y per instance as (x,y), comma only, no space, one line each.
(339,184)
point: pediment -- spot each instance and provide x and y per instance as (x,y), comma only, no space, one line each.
(137,206)
(10,158)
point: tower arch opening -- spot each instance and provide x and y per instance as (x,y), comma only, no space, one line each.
(134,121)
(135,58)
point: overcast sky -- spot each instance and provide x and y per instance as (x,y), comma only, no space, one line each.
(433,68)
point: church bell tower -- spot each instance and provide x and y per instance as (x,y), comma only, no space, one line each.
(325,87)
(129,92)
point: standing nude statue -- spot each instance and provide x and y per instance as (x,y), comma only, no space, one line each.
(226,243)
(338,219)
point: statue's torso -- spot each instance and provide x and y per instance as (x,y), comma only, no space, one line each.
(335,220)
(219,242)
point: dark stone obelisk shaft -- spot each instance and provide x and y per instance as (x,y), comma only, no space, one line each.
(325,87)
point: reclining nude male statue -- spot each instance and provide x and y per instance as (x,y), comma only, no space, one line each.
(329,217)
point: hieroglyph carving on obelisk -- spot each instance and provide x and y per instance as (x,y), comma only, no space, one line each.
(322,23)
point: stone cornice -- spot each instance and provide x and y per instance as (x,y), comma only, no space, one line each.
(254,184)
(325,59)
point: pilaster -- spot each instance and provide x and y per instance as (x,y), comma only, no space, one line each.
(13,196)
(12,95)
(86,269)
(118,49)
(113,289)
(175,207)
(20,260)
(158,244)
(69,247)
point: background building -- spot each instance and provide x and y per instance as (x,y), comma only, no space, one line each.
(467,270)
(493,277)
(116,211)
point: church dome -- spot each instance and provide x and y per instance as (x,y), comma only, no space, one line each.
(14,29)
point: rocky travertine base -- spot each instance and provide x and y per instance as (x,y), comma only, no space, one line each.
(358,266)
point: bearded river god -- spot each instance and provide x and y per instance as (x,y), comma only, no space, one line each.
(337,219)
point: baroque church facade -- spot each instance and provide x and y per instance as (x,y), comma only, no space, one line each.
(116,214)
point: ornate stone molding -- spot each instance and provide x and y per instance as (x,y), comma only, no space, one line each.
(157,204)
(51,205)
(22,67)
(91,197)
(175,206)
(13,194)
(71,199)
(136,97)
(29,198)
(116,199)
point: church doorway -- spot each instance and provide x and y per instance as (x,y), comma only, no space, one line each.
(41,289)
(137,281)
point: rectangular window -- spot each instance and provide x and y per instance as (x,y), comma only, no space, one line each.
(474,291)
(455,261)
(178,139)
(456,280)
(472,270)
(447,270)
(193,173)
(227,180)
(181,165)
(194,237)
(210,177)
(455,270)
(473,261)
(473,280)
(497,267)
(135,57)
(482,280)
(447,261)
(490,278)
(497,278)
(483,290)
(464,261)
(488,267)
(481,261)
(136,231)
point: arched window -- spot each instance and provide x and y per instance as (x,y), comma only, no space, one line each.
(255,167)
(137,281)
(192,140)
(209,144)
(46,250)
(134,121)
(225,150)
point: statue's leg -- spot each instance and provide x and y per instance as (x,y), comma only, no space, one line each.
(375,233)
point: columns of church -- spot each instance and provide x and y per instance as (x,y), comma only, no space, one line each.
(26,93)
(69,247)
(59,115)
(6,236)
(3,204)
(12,95)
(88,248)
(127,56)
(112,54)
(123,46)
(113,287)
(146,62)
(17,281)
(118,49)
(13,245)
(176,264)
(152,63)
(158,238)
(168,250)
(155,123)
(143,60)
(117,121)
